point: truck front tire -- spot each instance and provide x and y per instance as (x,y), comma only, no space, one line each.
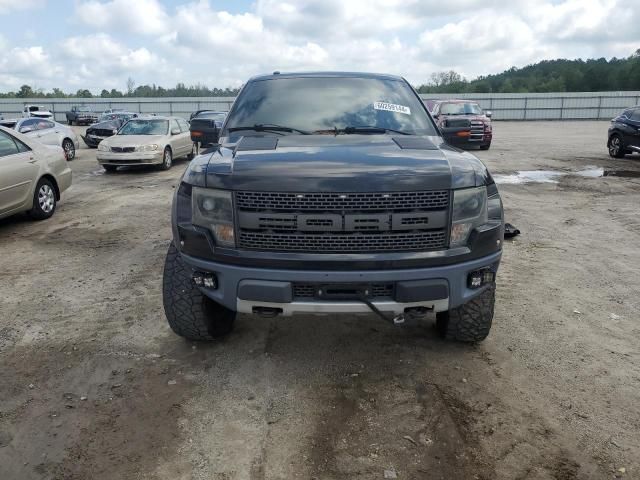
(191,314)
(470,322)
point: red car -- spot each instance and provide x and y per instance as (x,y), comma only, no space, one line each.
(462,122)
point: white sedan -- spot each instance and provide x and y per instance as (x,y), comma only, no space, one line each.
(32,176)
(47,132)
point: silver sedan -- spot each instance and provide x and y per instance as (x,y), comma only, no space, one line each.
(47,132)
(146,141)
(32,175)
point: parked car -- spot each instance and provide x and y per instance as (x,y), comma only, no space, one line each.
(32,176)
(47,132)
(146,141)
(81,115)
(205,127)
(624,133)
(36,111)
(199,112)
(463,123)
(107,126)
(333,193)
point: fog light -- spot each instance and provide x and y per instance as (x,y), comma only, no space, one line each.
(480,277)
(205,280)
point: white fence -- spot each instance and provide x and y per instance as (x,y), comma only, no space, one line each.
(505,106)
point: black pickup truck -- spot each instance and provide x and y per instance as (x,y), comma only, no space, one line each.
(333,193)
(205,127)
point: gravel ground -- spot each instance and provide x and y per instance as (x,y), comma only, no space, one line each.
(93,384)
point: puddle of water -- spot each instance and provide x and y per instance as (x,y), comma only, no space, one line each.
(593,172)
(552,176)
(529,176)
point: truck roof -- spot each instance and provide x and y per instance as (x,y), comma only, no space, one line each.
(274,75)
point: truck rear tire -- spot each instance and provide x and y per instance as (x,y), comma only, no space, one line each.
(191,314)
(470,322)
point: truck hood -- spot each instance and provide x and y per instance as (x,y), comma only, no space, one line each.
(342,163)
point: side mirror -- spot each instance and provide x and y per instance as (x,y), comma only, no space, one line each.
(488,113)
(175,131)
(26,129)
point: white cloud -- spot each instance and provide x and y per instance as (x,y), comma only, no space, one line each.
(8,6)
(137,16)
(156,41)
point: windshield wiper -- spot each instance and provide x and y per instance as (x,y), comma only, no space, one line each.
(263,127)
(369,129)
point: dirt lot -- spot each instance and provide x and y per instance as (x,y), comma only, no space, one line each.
(93,384)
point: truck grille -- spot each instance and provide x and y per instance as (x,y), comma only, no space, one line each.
(477,131)
(342,222)
(357,202)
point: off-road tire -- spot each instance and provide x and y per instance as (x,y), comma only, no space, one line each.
(191,314)
(470,322)
(110,168)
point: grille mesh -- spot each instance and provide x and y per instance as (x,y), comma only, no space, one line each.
(340,243)
(355,202)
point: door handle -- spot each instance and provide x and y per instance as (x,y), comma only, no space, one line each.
(32,160)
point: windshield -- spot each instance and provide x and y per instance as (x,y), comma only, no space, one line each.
(145,127)
(323,104)
(460,108)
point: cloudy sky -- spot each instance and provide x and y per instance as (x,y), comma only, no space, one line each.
(97,44)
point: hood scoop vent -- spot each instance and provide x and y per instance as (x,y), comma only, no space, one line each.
(414,143)
(256,143)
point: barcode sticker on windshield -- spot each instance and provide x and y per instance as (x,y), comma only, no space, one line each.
(391,107)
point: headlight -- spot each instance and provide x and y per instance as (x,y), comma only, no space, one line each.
(213,209)
(469,212)
(146,148)
(103,148)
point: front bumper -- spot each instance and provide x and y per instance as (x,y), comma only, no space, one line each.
(133,158)
(464,136)
(248,289)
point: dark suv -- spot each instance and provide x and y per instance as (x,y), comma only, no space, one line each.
(624,133)
(333,193)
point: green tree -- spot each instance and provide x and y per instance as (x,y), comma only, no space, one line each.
(25,92)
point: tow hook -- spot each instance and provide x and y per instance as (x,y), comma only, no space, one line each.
(397,320)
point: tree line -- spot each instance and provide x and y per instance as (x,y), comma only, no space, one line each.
(594,75)
(180,90)
(560,75)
